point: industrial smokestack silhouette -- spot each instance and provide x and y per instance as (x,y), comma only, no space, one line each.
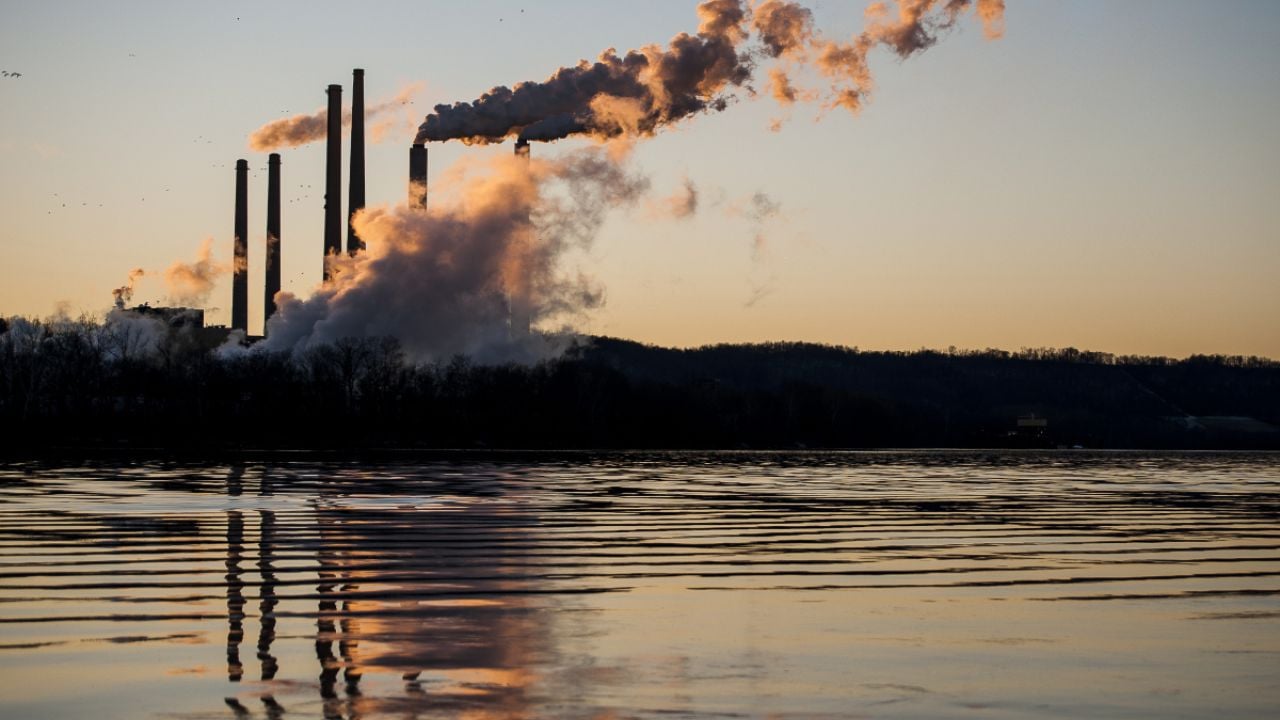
(519,315)
(418,176)
(273,239)
(355,196)
(333,180)
(240,260)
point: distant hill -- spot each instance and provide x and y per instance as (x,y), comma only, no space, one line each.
(826,396)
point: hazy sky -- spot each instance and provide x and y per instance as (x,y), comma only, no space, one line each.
(1105,176)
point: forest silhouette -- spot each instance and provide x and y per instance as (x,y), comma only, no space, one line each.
(80,383)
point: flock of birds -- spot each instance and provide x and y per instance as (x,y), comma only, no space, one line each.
(6,73)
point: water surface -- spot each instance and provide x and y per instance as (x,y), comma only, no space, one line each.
(694,585)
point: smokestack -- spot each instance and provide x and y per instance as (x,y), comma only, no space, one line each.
(418,176)
(518,309)
(240,266)
(355,197)
(273,239)
(333,180)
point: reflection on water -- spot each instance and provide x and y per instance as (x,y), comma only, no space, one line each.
(645,585)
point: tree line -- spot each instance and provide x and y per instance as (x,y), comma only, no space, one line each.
(128,383)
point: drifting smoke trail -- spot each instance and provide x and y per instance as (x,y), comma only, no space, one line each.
(449,281)
(915,28)
(638,93)
(124,293)
(303,129)
(191,283)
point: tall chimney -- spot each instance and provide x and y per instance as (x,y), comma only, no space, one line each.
(273,239)
(355,196)
(333,180)
(418,176)
(240,260)
(519,313)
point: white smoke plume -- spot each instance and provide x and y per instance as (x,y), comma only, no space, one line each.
(190,283)
(638,93)
(124,293)
(126,335)
(460,278)
(307,128)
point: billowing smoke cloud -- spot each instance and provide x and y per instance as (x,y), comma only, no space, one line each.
(303,129)
(191,283)
(466,276)
(638,93)
(784,28)
(124,293)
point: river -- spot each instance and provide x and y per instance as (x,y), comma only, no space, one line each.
(643,585)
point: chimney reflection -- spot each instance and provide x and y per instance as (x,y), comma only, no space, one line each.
(274,710)
(430,596)
(424,596)
(235,594)
(325,630)
(267,607)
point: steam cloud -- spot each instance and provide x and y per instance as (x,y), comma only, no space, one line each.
(191,283)
(124,293)
(638,93)
(303,129)
(455,280)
